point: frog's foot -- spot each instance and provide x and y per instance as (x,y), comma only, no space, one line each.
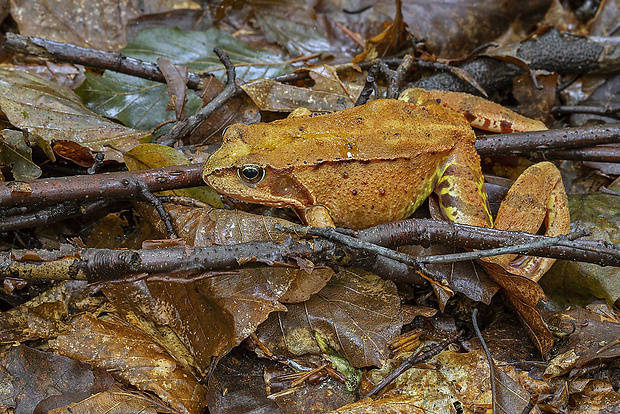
(317,216)
(537,196)
(479,112)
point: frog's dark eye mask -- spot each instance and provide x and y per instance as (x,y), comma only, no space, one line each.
(251,173)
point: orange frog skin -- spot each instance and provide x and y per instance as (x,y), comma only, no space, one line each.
(377,163)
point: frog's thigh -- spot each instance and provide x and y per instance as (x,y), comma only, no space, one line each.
(318,216)
(479,112)
(461,191)
(538,195)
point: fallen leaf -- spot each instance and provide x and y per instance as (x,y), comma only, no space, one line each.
(148,156)
(133,358)
(53,112)
(140,103)
(29,376)
(15,153)
(100,24)
(356,312)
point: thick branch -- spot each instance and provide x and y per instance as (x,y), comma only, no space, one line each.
(552,51)
(94,58)
(102,264)
(117,185)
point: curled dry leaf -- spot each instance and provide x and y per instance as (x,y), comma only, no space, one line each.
(100,24)
(356,312)
(53,112)
(133,358)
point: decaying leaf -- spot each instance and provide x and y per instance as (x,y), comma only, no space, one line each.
(53,112)
(31,378)
(15,152)
(134,358)
(100,24)
(596,337)
(356,312)
(599,214)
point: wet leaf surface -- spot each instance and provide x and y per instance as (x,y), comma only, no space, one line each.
(134,358)
(142,104)
(357,313)
(100,24)
(15,153)
(55,113)
(31,376)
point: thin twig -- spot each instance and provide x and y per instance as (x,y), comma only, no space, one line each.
(561,240)
(411,361)
(101,59)
(186,126)
(516,143)
(370,85)
(147,195)
(51,214)
(474,321)
(117,185)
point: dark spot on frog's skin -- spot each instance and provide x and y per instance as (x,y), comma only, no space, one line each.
(305,162)
(397,134)
(382,191)
(345,175)
(319,160)
(364,182)
(372,206)
(301,129)
(505,126)
(359,120)
(354,192)
(469,116)
(438,100)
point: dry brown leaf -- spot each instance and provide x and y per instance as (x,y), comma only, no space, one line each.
(133,358)
(115,400)
(99,24)
(209,315)
(32,378)
(356,312)
(274,96)
(236,109)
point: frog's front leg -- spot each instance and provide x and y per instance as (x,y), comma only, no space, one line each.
(317,216)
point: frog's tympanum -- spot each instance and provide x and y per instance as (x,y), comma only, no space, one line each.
(378,162)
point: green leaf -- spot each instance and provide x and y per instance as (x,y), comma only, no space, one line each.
(140,103)
(148,156)
(15,152)
(292,24)
(54,112)
(570,281)
(136,102)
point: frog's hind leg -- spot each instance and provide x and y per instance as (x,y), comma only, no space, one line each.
(537,196)
(486,115)
(462,195)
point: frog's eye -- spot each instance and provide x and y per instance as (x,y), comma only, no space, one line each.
(251,174)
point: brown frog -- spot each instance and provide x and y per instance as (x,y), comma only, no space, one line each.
(378,162)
